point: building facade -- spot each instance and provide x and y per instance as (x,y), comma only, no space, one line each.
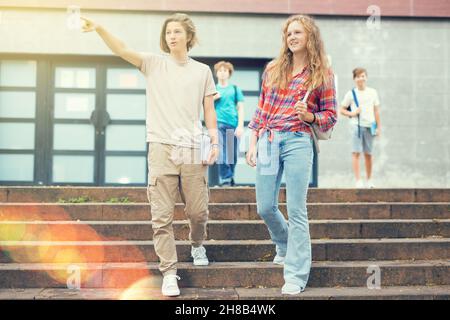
(72,113)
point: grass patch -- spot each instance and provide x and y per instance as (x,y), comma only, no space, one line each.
(119,200)
(82,199)
(86,199)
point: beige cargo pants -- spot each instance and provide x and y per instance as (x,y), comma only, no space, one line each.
(176,170)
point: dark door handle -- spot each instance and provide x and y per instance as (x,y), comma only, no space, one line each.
(100,119)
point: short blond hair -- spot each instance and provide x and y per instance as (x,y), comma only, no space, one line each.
(224,64)
(188,26)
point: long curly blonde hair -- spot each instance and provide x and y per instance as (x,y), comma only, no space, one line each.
(279,71)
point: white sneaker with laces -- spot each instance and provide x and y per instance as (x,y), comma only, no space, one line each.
(199,255)
(291,289)
(359,184)
(170,286)
(279,260)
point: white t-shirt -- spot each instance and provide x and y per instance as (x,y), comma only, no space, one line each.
(368,99)
(175,93)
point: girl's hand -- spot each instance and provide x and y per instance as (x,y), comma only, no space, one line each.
(301,109)
(239,131)
(89,25)
(250,157)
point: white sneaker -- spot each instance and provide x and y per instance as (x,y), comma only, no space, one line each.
(370,184)
(170,286)
(291,289)
(359,184)
(199,255)
(279,260)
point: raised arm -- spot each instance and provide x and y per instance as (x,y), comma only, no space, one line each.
(116,45)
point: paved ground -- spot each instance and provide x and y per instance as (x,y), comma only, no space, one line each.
(429,292)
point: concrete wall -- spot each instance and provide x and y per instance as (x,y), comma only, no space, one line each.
(407,61)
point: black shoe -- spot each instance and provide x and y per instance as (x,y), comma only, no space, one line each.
(232,182)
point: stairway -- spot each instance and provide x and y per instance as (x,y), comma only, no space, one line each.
(101,239)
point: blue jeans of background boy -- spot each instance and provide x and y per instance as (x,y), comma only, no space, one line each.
(228,143)
(291,153)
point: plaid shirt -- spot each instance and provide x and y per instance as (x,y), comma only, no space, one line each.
(276,106)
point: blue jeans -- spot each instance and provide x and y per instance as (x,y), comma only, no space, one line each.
(291,152)
(228,143)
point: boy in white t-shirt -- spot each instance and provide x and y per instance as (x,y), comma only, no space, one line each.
(365,123)
(178,88)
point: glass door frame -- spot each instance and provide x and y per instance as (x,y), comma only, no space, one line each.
(40,89)
(119,64)
(101,65)
(44,119)
(52,91)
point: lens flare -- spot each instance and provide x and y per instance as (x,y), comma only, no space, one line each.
(73,252)
(145,289)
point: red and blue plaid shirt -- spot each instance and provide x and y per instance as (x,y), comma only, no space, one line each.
(276,110)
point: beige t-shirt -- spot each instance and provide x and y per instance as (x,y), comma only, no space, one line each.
(175,94)
(367,99)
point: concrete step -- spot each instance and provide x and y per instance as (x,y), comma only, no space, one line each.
(219,229)
(221,251)
(223,195)
(248,211)
(387,293)
(225,274)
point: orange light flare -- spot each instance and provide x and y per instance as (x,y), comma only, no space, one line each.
(19,224)
(51,238)
(127,269)
(147,288)
(83,250)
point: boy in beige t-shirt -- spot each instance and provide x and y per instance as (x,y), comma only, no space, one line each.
(178,87)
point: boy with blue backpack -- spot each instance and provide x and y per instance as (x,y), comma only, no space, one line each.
(229,107)
(361,105)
